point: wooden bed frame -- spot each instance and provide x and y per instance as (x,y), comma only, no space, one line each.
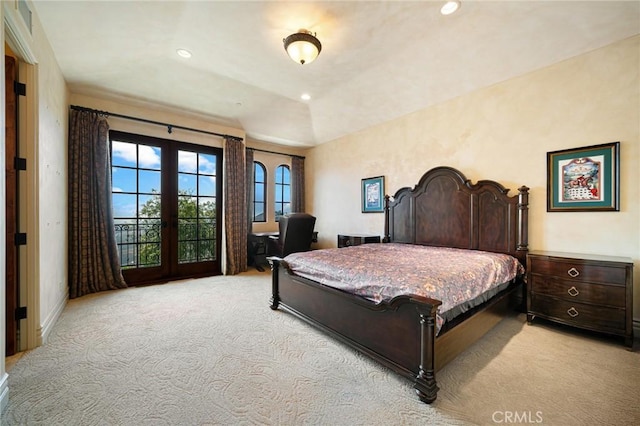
(444,209)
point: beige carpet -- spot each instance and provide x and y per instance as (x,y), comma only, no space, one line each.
(210,351)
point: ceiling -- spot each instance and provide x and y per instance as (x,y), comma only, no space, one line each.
(380,59)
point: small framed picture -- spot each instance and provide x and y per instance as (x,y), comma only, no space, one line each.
(584,179)
(373,194)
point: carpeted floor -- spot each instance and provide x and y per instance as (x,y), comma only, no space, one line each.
(210,351)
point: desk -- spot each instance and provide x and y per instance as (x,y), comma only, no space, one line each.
(257,247)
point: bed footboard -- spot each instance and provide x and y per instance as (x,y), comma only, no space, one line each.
(399,334)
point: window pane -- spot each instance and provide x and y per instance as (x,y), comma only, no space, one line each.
(258,173)
(207,207)
(149,206)
(149,254)
(124,205)
(186,184)
(124,154)
(187,161)
(149,231)
(207,250)
(207,186)
(287,208)
(123,180)
(207,229)
(207,164)
(187,229)
(259,212)
(187,207)
(149,157)
(286,176)
(149,181)
(187,251)
(259,192)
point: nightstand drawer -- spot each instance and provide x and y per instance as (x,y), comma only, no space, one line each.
(580,314)
(598,294)
(578,271)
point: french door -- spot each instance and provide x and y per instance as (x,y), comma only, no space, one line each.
(166,199)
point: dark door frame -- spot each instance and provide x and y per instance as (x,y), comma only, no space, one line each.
(170,269)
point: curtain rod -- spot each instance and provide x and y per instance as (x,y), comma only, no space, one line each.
(169,127)
(277,153)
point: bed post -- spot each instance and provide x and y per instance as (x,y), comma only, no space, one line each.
(386,237)
(425,384)
(274,262)
(523,222)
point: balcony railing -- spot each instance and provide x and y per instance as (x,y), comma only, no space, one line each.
(140,243)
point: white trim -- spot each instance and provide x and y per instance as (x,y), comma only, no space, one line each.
(4,392)
(19,37)
(47,326)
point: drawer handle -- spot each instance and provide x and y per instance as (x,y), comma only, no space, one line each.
(573,312)
(573,291)
(573,272)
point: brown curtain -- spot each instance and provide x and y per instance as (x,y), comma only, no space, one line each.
(235,207)
(249,170)
(297,185)
(93,254)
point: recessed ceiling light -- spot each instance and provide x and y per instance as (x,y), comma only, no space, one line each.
(450,7)
(183,53)
(305,97)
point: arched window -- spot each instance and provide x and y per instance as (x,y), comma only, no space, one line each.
(259,192)
(283,191)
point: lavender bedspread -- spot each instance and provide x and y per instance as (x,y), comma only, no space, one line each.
(460,279)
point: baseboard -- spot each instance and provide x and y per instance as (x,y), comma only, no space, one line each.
(45,330)
(4,392)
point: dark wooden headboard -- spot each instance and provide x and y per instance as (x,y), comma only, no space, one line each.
(445,209)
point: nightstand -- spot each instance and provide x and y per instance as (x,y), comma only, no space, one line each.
(586,291)
(356,240)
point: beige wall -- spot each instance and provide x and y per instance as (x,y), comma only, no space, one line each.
(502,133)
(51,174)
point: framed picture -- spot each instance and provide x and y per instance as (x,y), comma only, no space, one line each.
(373,195)
(584,179)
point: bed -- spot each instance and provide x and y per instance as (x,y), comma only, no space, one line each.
(404,332)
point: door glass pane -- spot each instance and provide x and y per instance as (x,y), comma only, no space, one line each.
(124,205)
(187,184)
(149,181)
(135,193)
(187,162)
(124,154)
(196,207)
(207,186)
(124,180)
(206,164)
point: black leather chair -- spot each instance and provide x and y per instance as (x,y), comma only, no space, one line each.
(296,234)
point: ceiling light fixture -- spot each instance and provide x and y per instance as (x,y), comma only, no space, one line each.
(450,7)
(303,47)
